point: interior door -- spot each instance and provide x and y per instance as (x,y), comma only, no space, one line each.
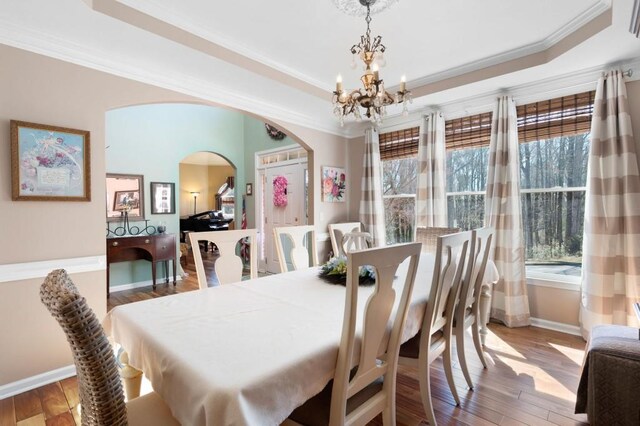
(290,215)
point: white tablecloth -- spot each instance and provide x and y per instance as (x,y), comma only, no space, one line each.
(246,353)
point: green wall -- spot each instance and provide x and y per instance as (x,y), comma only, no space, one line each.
(151,140)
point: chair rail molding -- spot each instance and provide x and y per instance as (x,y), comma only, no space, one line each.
(40,269)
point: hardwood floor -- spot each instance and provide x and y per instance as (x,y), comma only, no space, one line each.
(531,380)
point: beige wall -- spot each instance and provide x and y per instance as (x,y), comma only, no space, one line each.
(38,89)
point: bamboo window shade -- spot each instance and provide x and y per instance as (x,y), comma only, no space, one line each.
(399,144)
(472,131)
(565,116)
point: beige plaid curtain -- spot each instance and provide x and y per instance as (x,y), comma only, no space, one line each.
(431,198)
(611,245)
(371,207)
(502,211)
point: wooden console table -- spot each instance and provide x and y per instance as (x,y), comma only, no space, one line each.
(154,248)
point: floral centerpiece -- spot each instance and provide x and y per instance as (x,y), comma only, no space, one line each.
(335,272)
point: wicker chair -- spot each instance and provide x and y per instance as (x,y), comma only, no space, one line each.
(101,396)
(429,236)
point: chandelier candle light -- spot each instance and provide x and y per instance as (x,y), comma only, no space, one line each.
(374,98)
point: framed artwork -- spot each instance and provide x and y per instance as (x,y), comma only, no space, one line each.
(163,198)
(334,184)
(49,163)
(126,200)
(249,189)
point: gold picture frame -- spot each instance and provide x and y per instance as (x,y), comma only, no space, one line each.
(49,163)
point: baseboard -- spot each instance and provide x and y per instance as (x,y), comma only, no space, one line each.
(139,284)
(556,326)
(23,385)
(40,269)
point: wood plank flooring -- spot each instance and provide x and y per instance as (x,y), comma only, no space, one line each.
(531,380)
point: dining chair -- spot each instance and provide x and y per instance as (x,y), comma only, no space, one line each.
(336,233)
(467,312)
(435,336)
(101,396)
(356,241)
(428,236)
(301,246)
(230,264)
(356,395)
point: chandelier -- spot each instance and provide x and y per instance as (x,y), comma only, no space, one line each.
(373,98)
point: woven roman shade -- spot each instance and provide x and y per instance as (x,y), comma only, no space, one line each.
(565,116)
(472,131)
(399,144)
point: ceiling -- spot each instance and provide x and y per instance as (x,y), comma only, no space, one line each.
(279,59)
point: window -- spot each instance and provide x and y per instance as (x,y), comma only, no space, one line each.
(467,142)
(398,152)
(554,148)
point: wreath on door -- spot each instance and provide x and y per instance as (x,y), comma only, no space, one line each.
(280,191)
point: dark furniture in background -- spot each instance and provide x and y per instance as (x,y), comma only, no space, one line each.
(210,220)
(154,248)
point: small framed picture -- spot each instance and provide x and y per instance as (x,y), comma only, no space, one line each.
(249,189)
(334,184)
(163,199)
(126,200)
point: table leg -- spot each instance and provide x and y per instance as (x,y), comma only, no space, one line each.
(131,377)
(153,273)
(485,309)
(175,270)
(166,271)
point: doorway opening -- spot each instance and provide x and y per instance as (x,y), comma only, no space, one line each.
(283,186)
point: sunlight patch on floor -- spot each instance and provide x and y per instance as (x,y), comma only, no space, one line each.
(541,380)
(573,354)
(497,345)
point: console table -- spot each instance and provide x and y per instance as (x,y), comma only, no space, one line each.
(154,248)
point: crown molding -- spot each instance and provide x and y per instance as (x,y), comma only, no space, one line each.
(548,88)
(575,24)
(36,41)
(158,11)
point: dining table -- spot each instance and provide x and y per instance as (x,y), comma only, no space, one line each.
(247,353)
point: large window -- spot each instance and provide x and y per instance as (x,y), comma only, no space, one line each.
(467,143)
(554,148)
(398,151)
(554,145)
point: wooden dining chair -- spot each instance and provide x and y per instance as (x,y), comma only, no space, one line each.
(230,265)
(356,241)
(356,395)
(467,312)
(435,336)
(300,243)
(336,233)
(101,396)
(428,236)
